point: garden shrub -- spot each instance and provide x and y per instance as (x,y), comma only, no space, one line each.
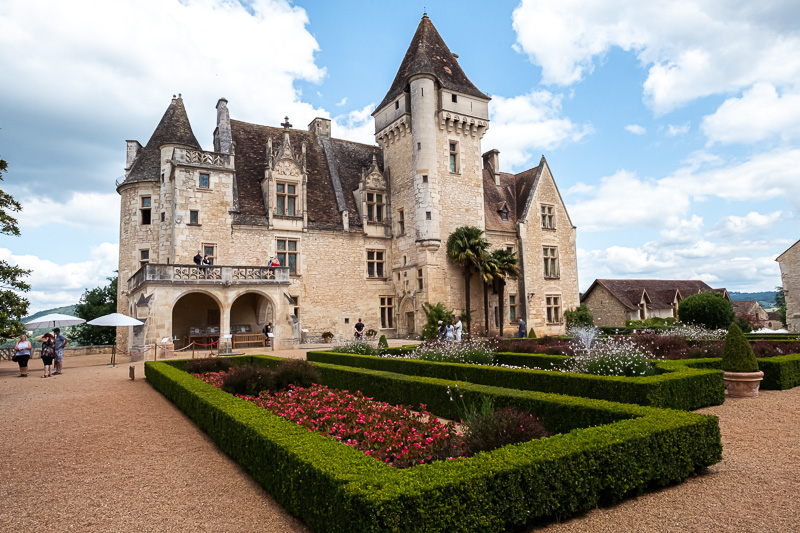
(248,380)
(207,364)
(604,452)
(580,316)
(743,324)
(433,314)
(356,347)
(382,342)
(738,356)
(487,429)
(469,352)
(531,334)
(678,384)
(708,309)
(295,372)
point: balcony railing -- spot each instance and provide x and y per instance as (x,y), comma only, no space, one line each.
(211,274)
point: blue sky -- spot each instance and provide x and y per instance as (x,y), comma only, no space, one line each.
(672,128)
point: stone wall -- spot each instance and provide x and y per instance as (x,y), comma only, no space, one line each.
(606,309)
(533,238)
(789,263)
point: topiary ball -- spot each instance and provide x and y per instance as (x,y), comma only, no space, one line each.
(738,356)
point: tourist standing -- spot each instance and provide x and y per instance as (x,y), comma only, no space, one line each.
(22,352)
(521,332)
(440,333)
(359,330)
(48,353)
(198,259)
(59,343)
(458,329)
(448,333)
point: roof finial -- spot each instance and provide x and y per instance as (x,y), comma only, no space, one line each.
(179,96)
(424,13)
(286,124)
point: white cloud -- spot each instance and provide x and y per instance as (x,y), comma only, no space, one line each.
(687,45)
(622,200)
(341,102)
(674,131)
(523,124)
(56,284)
(95,71)
(357,125)
(77,210)
(752,222)
(760,113)
(636,129)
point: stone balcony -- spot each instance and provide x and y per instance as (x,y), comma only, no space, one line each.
(208,275)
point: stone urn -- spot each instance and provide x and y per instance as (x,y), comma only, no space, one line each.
(743,384)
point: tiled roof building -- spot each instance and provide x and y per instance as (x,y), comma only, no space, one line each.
(615,301)
(357,230)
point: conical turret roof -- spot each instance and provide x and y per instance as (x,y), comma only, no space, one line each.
(427,54)
(174,128)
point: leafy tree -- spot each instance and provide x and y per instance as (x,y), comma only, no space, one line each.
(12,305)
(708,309)
(434,313)
(466,247)
(744,324)
(96,303)
(780,303)
(580,316)
(507,266)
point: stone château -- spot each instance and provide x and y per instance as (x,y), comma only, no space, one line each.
(359,230)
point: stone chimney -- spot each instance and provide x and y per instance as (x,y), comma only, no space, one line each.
(321,127)
(222,134)
(491,161)
(134,148)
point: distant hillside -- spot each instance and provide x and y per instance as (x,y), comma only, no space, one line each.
(66,310)
(765,299)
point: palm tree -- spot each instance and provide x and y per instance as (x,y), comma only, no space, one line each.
(465,247)
(507,265)
(488,272)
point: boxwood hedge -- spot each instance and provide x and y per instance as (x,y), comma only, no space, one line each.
(679,385)
(603,452)
(780,373)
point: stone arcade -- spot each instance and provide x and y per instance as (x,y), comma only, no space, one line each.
(359,230)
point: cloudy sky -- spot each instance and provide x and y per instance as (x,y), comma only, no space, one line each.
(672,127)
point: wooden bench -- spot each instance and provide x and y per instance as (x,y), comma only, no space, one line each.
(248,338)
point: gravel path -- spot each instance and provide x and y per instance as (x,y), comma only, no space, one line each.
(91,450)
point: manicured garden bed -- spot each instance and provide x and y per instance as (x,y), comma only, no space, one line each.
(602,452)
(679,385)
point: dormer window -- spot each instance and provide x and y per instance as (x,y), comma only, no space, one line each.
(504,214)
(375,207)
(286,199)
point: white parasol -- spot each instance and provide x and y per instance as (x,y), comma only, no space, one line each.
(54,320)
(115,319)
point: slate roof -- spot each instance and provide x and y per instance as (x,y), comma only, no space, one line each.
(660,292)
(174,128)
(513,192)
(323,212)
(428,54)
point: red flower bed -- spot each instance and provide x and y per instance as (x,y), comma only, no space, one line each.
(393,434)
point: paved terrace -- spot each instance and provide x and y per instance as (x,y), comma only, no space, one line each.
(91,450)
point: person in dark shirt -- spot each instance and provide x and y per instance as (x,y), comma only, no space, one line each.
(198,259)
(359,329)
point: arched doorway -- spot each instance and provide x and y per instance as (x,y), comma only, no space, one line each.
(250,312)
(407,319)
(195,317)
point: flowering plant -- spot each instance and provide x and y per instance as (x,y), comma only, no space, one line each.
(468,352)
(608,356)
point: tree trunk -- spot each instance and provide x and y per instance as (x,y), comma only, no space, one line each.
(502,303)
(486,305)
(467,273)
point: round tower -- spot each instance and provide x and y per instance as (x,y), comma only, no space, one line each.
(424,159)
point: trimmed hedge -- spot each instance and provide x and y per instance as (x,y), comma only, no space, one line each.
(780,373)
(772,336)
(336,488)
(680,385)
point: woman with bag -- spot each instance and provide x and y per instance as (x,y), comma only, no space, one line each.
(48,353)
(22,354)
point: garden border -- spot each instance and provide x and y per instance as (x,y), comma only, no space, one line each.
(333,487)
(780,372)
(680,385)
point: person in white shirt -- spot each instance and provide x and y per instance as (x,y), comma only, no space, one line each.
(458,329)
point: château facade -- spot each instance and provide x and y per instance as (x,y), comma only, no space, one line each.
(359,230)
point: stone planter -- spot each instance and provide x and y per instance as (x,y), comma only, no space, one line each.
(743,384)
